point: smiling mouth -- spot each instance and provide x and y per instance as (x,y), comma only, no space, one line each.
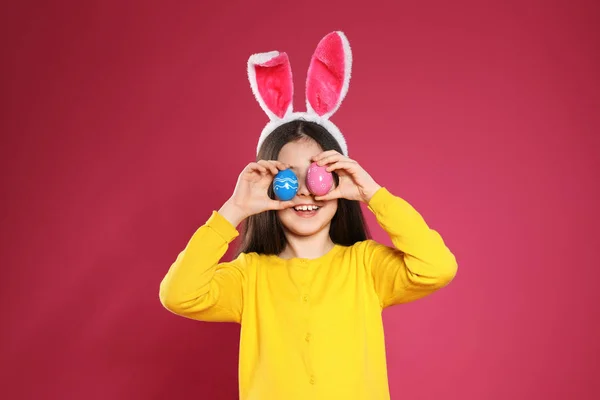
(306,211)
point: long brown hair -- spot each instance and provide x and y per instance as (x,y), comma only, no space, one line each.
(263,233)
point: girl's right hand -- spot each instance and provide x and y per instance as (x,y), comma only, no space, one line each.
(251,192)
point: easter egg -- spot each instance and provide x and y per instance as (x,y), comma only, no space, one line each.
(318,180)
(285,185)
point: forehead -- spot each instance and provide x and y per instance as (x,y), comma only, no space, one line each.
(299,153)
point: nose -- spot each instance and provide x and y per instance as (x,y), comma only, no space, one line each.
(302,188)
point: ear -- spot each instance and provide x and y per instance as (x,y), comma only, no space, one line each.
(329,75)
(270,76)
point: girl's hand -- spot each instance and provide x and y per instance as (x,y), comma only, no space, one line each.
(250,195)
(355,183)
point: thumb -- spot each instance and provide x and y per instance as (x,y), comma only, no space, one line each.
(280,205)
(334,194)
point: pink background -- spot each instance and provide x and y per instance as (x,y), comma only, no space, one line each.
(126,123)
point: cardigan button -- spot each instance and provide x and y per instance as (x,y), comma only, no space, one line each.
(312,379)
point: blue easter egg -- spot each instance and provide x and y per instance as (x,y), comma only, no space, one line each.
(285,185)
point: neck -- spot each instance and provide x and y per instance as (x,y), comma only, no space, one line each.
(310,247)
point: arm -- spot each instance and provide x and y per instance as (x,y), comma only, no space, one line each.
(419,264)
(197,286)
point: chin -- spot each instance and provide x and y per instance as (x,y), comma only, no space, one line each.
(307,223)
(304,231)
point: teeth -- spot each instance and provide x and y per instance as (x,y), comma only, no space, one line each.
(306,208)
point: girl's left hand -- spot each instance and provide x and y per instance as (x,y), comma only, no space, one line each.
(355,183)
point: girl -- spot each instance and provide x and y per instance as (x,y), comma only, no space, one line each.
(307,286)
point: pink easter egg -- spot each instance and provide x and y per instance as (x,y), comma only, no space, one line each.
(318,180)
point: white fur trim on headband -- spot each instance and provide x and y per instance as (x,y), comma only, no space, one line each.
(305,116)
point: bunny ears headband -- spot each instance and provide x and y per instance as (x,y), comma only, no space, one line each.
(270,76)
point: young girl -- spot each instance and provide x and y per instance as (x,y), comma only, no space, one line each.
(307,286)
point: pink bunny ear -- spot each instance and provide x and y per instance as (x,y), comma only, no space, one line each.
(270,76)
(329,75)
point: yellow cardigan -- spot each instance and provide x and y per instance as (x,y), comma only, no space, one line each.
(310,328)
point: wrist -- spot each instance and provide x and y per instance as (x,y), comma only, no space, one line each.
(232,213)
(370,192)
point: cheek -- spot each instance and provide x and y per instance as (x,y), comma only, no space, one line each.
(286,216)
(331,206)
(283,213)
